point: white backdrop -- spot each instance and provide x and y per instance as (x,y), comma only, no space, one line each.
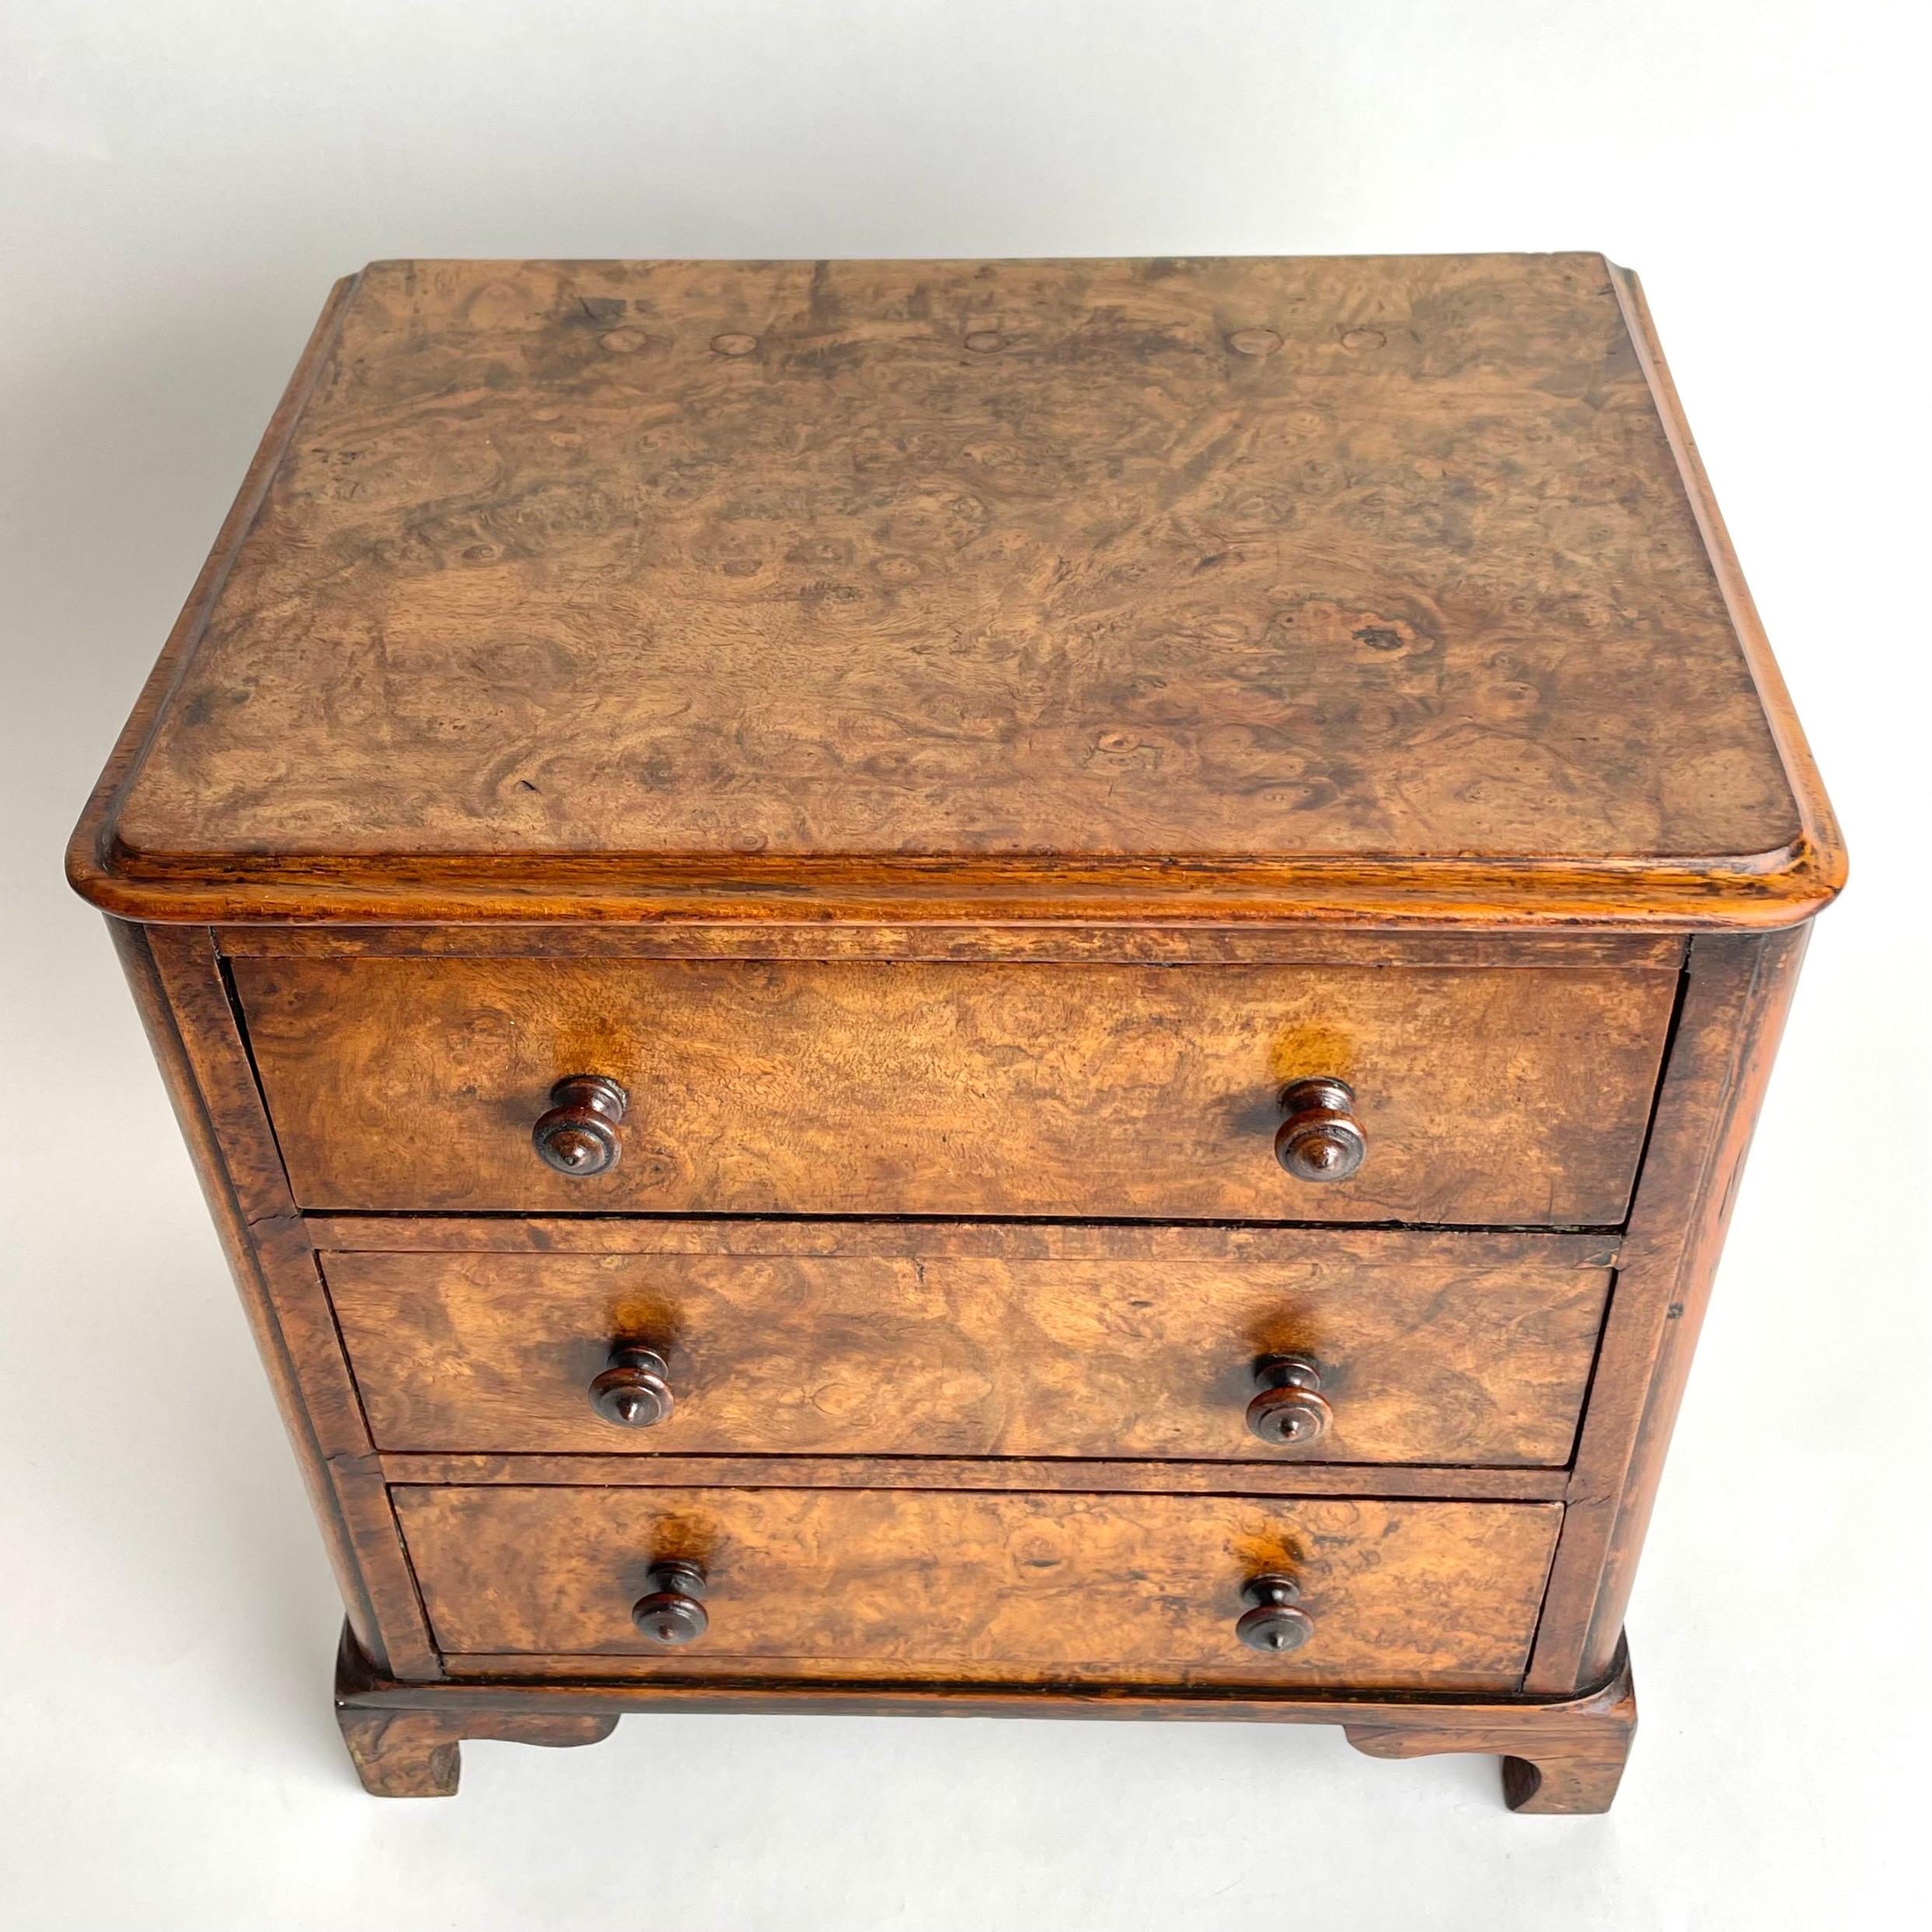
(180,179)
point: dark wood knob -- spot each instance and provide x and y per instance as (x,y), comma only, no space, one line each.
(579,1134)
(1321,1139)
(1288,1411)
(671,1613)
(634,1391)
(1274,1623)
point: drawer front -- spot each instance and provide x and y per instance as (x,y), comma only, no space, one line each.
(1416,1358)
(1517,1096)
(997,1589)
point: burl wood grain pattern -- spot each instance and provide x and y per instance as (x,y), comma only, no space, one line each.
(1301,944)
(956,741)
(983,1588)
(1227,557)
(1512,1097)
(1421,1361)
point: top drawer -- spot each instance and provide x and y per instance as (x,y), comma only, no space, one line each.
(1510,1095)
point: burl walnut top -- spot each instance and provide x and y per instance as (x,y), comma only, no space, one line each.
(1382,588)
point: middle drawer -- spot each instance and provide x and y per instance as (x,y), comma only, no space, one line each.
(1381,1348)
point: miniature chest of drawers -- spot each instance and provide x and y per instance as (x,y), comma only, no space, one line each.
(1029,987)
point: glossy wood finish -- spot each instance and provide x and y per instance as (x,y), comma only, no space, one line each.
(1092,1475)
(1560,1760)
(831,1584)
(1424,1356)
(1559,1754)
(1718,1024)
(1766,973)
(177,984)
(1327,1247)
(1339,629)
(1737,992)
(1274,1622)
(670,1613)
(1511,1096)
(1155,945)
(1320,1138)
(633,1390)
(1288,1410)
(958,743)
(576,1134)
(398,1752)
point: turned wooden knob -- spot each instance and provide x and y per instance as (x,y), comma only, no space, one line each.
(579,1134)
(1321,1139)
(634,1391)
(1288,1411)
(1274,1623)
(670,1613)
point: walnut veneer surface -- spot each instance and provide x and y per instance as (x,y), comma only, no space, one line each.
(919,1088)
(1008,579)
(1025,987)
(978,1588)
(1424,1358)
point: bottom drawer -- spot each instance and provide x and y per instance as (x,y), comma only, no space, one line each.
(1003,1588)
